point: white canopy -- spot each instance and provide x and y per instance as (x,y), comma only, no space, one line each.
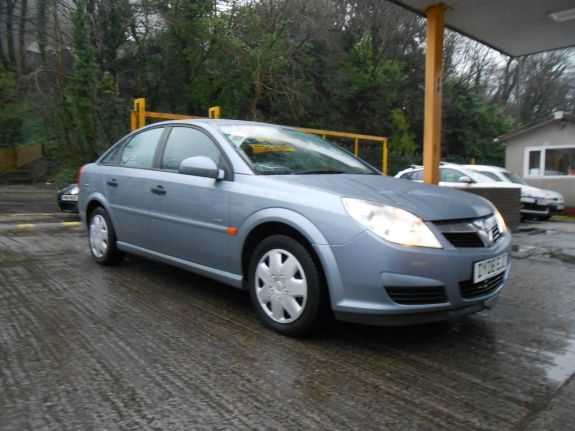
(513,27)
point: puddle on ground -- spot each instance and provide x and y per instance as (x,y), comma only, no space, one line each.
(536,231)
(521,248)
(563,363)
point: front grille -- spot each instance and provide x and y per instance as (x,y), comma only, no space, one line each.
(464,239)
(496,233)
(471,233)
(417,295)
(469,289)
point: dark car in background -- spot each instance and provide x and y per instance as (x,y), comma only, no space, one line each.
(68,198)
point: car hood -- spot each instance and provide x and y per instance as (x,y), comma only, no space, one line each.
(427,201)
(553,194)
(536,192)
(70,189)
(533,191)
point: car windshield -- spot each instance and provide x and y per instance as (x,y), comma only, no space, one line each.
(514,178)
(281,151)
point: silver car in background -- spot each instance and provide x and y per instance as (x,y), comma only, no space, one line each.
(535,202)
(300,223)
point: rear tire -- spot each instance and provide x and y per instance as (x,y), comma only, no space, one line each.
(285,286)
(102,239)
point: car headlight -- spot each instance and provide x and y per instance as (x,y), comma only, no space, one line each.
(500,222)
(391,223)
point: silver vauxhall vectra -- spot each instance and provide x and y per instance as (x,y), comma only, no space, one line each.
(297,221)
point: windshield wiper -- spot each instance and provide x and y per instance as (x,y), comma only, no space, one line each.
(320,171)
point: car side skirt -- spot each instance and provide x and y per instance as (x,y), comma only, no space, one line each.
(234,280)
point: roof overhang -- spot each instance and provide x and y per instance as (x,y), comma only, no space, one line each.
(513,27)
(559,117)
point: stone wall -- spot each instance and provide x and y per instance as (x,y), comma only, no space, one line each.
(506,200)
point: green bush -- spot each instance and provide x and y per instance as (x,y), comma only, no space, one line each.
(66,175)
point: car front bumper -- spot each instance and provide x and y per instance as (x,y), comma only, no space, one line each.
(534,206)
(556,208)
(369,276)
(67,205)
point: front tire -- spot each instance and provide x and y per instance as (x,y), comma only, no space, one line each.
(102,239)
(285,285)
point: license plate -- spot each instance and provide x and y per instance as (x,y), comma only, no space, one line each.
(70,198)
(489,267)
(560,207)
(541,201)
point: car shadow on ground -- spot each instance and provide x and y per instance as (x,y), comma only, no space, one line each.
(232,303)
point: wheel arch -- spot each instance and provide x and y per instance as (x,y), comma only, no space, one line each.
(283,222)
(95,201)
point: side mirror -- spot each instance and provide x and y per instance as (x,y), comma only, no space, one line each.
(465,179)
(201,166)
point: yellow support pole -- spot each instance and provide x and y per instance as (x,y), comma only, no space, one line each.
(134,120)
(433,93)
(214,112)
(385,157)
(139,114)
(356,147)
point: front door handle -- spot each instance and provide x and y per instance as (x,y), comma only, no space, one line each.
(159,190)
(113,182)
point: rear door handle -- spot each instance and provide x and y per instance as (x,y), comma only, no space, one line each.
(113,183)
(159,190)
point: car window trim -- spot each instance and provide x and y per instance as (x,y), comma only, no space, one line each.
(127,139)
(115,160)
(225,163)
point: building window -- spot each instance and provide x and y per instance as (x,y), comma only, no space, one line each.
(535,162)
(560,161)
(551,162)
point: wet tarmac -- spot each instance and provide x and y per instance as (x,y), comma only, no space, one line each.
(144,346)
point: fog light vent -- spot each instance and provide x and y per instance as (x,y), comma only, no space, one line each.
(417,295)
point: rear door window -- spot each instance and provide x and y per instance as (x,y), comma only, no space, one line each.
(140,151)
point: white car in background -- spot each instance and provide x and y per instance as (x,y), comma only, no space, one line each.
(453,175)
(535,202)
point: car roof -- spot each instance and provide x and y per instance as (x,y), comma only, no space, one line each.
(219,122)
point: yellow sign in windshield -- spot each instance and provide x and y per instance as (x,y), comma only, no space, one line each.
(261,148)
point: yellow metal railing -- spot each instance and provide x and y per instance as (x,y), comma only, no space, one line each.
(12,158)
(139,115)
(356,140)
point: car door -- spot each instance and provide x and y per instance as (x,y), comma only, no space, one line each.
(190,216)
(127,186)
